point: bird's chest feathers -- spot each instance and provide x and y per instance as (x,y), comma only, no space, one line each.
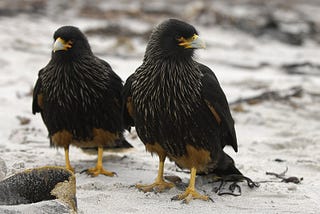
(170,92)
(67,87)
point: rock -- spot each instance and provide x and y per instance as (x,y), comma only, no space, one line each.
(23,120)
(48,207)
(303,68)
(3,169)
(39,184)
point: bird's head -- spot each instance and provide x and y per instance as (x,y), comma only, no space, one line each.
(70,41)
(175,38)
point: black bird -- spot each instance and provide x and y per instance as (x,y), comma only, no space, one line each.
(79,98)
(178,107)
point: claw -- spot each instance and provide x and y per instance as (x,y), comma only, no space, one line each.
(158,186)
(190,194)
(99,167)
(97,171)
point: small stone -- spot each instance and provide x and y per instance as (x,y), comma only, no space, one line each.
(23,120)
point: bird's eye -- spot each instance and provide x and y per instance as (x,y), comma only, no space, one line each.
(69,44)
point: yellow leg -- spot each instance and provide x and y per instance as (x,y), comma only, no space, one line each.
(66,154)
(159,185)
(190,192)
(99,167)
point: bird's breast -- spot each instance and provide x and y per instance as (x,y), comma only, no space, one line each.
(160,98)
(69,88)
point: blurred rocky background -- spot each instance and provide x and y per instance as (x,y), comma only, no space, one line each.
(265,54)
(291,22)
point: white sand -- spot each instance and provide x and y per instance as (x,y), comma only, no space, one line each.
(266,131)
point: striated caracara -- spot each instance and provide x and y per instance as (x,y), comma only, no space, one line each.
(79,98)
(179,109)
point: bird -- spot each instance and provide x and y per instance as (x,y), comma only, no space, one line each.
(79,98)
(179,109)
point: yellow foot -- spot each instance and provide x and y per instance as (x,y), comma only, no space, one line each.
(158,186)
(190,194)
(70,168)
(97,171)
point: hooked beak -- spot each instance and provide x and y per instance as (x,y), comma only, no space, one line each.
(193,42)
(61,45)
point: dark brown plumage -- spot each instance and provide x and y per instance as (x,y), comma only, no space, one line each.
(79,97)
(178,107)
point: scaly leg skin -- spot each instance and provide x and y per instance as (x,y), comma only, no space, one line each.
(190,192)
(66,154)
(99,167)
(159,185)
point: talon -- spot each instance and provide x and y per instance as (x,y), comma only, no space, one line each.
(158,186)
(190,194)
(187,199)
(97,171)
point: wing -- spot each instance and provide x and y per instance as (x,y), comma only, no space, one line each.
(127,106)
(115,84)
(216,100)
(37,102)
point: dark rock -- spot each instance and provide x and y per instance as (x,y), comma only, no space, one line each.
(39,184)
(303,68)
(283,95)
(279,160)
(49,207)
(117,30)
(11,8)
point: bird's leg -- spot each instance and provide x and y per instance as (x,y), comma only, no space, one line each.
(66,154)
(190,192)
(159,185)
(99,167)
